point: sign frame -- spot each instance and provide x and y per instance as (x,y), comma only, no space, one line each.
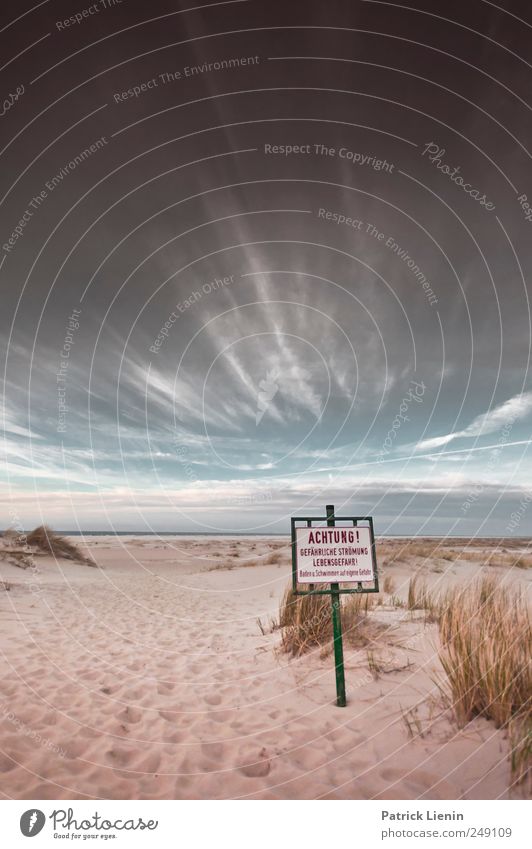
(334,590)
(310,522)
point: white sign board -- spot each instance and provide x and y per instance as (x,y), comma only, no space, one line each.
(333,555)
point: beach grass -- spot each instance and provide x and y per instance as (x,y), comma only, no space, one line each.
(306,621)
(46,540)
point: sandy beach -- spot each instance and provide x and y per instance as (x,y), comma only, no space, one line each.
(149,676)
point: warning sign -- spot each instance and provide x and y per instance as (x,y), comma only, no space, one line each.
(333,555)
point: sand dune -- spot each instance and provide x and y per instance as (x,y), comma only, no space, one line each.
(150,678)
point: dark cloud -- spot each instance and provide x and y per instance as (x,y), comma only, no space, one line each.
(268,222)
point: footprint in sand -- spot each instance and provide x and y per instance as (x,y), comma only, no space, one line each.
(394,793)
(222,716)
(176,737)
(213,751)
(260,768)
(171,715)
(421,782)
(133,694)
(42,791)
(6,764)
(119,757)
(150,764)
(130,715)
(75,749)
(116,791)
(164,688)
(416,782)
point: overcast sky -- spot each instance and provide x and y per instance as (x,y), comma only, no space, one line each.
(279,257)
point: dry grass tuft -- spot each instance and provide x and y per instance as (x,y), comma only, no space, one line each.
(388,584)
(395,601)
(448,550)
(273,558)
(486,637)
(49,542)
(419,597)
(10,535)
(306,621)
(486,646)
(18,557)
(267,627)
(375,665)
(309,615)
(392,552)
(412,721)
(520,735)
(222,567)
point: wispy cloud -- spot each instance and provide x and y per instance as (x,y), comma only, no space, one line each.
(516,408)
(9,424)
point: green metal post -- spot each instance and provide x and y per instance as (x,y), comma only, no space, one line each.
(341,700)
